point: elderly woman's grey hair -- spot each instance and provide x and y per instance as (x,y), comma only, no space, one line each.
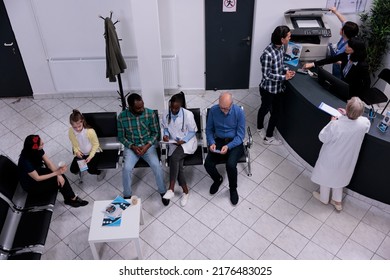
(355,108)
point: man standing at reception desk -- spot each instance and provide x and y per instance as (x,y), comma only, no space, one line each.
(274,73)
(342,139)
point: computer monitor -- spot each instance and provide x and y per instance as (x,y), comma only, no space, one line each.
(333,84)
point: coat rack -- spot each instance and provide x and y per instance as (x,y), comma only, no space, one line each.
(115,63)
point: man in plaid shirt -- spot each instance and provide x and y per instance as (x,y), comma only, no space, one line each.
(272,83)
(138,130)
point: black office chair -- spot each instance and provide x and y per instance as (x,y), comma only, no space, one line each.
(375,95)
(246,157)
(197,158)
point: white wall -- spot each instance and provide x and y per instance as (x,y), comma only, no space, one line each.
(71,28)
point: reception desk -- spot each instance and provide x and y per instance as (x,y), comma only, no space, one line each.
(301,121)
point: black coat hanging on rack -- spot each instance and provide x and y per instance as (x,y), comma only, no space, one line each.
(115,63)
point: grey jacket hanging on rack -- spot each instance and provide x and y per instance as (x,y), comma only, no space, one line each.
(115,64)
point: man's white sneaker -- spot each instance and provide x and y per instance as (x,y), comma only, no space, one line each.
(184,199)
(272,141)
(261,132)
(169,194)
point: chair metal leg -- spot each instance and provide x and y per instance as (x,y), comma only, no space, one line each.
(249,164)
(80,177)
(385,107)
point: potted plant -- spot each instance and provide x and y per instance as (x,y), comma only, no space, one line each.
(375,31)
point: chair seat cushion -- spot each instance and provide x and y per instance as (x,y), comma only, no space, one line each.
(33,229)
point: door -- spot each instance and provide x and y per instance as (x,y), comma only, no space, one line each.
(14,81)
(228,44)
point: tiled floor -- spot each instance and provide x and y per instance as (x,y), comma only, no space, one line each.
(276,217)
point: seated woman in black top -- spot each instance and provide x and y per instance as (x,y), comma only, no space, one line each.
(354,68)
(39,175)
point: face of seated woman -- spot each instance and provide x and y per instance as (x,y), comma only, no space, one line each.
(175,108)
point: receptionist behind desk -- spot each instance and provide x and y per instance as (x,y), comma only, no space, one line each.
(353,66)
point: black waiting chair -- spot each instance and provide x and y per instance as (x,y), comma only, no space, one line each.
(25,256)
(22,230)
(246,157)
(105,126)
(374,95)
(12,193)
(197,158)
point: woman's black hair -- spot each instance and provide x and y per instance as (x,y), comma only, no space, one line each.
(177,98)
(31,148)
(359,49)
(279,33)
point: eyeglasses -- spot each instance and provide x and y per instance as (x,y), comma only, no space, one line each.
(226,108)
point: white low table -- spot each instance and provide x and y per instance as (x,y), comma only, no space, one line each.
(128,230)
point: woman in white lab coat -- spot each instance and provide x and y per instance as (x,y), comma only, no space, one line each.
(342,138)
(179,127)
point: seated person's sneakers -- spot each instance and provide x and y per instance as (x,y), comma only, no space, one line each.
(215,186)
(184,199)
(272,141)
(78,202)
(233,196)
(169,194)
(164,201)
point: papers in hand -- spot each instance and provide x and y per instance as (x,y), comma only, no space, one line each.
(217,151)
(82,165)
(171,141)
(330,110)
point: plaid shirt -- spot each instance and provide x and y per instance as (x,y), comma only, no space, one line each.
(273,69)
(138,130)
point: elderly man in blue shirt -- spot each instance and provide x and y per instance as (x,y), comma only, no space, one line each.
(225,132)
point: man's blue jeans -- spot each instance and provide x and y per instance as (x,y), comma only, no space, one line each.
(130,159)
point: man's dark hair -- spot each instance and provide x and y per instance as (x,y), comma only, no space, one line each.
(350,29)
(132,98)
(279,33)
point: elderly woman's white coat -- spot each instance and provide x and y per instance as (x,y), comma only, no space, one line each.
(342,140)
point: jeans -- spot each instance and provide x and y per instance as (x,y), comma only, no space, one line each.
(231,159)
(269,103)
(130,159)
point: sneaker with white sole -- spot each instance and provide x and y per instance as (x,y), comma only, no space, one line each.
(272,141)
(261,132)
(184,199)
(169,194)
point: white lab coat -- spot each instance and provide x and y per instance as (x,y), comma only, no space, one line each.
(342,140)
(176,129)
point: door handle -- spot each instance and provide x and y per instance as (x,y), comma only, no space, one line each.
(8,44)
(248,39)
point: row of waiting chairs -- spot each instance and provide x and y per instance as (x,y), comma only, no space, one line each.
(24,218)
(105,125)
